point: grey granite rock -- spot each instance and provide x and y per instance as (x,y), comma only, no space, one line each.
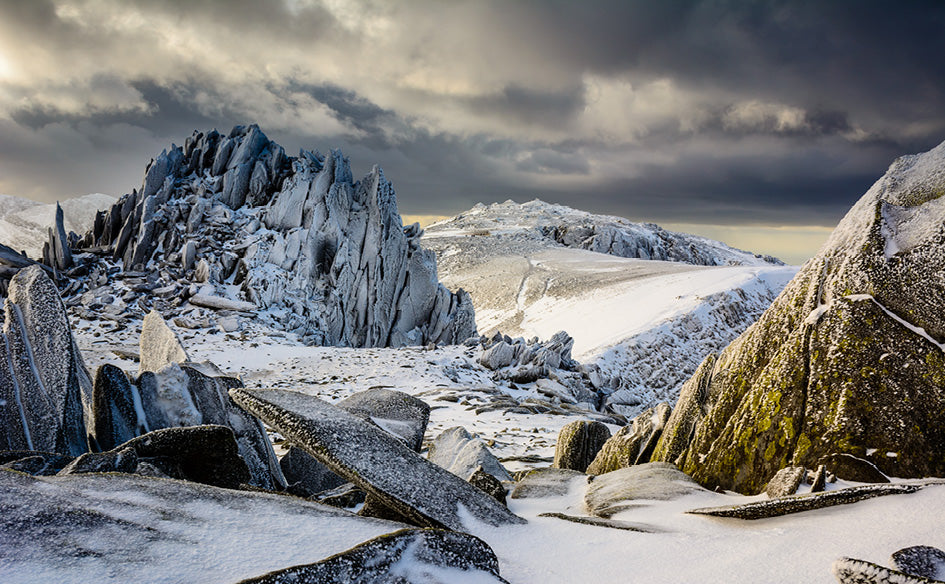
(120,460)
(408,556)
(578,443)
(461,453)
(373,460)
(305,475)
(851,571)
(785,482)
(546,482)
(117,413)
(488,484)
(921,560)
(159,345)
(612,492)
(398,413)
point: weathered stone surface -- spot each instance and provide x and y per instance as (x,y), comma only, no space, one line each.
(203,454)
(808,501)
(400,414)
(921,560)
(117,416)
(851,468)
(65,525)
(819,482)
(33,462)
(373,460)
(601,522)
(546,482)
(488,484)
(347,495)
(121,460)
(305,475)
(406,556)
(785,482)
(461,453)
(613,492)
(43,380)
(56,251)
(849,350)
(326,232)
(850,571)
(578,443)
(632,444)
(158,344)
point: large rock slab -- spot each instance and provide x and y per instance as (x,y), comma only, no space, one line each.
(159,345)
(43,379)
(632,444)
(921,560)
(375,461)
(852,571)
(118,412)
(128,528)
(408,556)
(849,359)
(547,482)
(610,493)
(462,453)
(578,443)
(398,413)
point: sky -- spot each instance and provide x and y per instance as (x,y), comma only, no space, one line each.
(759,123)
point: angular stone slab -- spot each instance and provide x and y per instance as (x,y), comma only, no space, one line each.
(601,522)
(808,501)
(375,461)
(546,482)
(399,413)
(461,453)
(159,346)
(850,571)
(118,415)
(408,555)
(609,493)
(921,560)
(785,482)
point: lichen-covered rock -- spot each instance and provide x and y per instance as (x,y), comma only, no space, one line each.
(461,453)
(43,380)
(159,345)
(578,443)
(399,413)
(375,461)
(785,482)
(632,444)
(848,351)
(406,556)
(921,560)
(327,253)
(615,491)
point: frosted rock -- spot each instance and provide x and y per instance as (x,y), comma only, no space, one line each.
(613,492)
(409,555)
(124,460)
(461,453)
(632,444)
(497,356)
(851,571)
(578,443)
(118,411)
(220,303)
(43,380)
(547,482)
(158,344)
(373,460)
(305,475)
(921,560)
(398,413)
(56,252)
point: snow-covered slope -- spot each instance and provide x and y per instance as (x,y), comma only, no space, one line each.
(24,222)
(646,324)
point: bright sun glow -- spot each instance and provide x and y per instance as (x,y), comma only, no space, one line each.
(6,70)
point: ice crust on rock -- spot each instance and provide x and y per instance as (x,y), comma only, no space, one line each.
(295,240)
(375,461)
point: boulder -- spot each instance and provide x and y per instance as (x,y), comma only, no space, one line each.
(632,444)
(117,411)
(461,453)
(547,482)
(202,454)
(43,379)
(850,349)
(372,459)
(400,414)
(408,555)
(610,493)
(123,460)
(785,482)
(921,560)
(306,476)
(852,468)
(488,484)
(851,571)
(159,345)
(578,443)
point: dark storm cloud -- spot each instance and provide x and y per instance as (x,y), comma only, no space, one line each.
(717,111)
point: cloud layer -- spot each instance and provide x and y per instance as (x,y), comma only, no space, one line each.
(721,112)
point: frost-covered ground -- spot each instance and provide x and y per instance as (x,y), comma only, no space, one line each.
(686,548)
(24,222)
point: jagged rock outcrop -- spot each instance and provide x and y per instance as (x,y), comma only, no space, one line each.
(632,444)
(57,253)
(847,360)
(43,379)
(328,254)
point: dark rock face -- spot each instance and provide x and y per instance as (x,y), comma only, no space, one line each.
(851,468)
(786,481)
(632,444)
(116,418)
(334,253)
(384,560)
(57,253)
(846,353)
(370,458)
(305,475)
(123,460)
(400,414)
(578,443)
(33,462)
(921,560)
(488,484)
(202,454)
(43,380)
